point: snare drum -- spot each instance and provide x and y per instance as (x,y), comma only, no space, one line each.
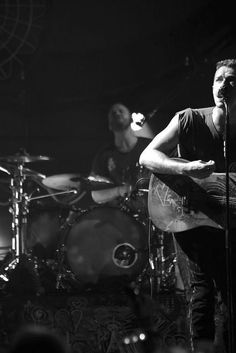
(104,243)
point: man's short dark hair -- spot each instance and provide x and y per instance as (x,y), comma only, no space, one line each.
(226,62)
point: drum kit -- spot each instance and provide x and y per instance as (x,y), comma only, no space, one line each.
(94,246)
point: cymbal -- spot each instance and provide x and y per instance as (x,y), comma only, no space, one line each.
(23,158)
(33,173)
(76,181)
(98,182)
(11,169)
(4,170)
(28,173)
(63,181)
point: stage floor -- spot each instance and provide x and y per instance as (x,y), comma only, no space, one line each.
(99,321)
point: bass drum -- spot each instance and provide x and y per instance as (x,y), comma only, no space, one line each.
(106,243)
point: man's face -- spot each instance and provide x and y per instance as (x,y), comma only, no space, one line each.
(224,77)
(119,118)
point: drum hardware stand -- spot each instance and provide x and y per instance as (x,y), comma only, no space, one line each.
(19,209)
(150,267)
(61,258)
(125,207)
(225,92)
(153,255)
(159,272)
(65,228)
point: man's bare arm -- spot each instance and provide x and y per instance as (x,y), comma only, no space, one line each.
(155,156)
(107,195)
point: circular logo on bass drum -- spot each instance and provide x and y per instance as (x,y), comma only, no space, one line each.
(124,255)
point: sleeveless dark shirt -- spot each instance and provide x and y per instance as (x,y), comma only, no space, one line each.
(199,139)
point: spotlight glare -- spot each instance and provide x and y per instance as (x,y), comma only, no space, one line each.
(126,340)
(142,336)
(134,338)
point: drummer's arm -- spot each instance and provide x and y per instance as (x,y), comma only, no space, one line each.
(106,195)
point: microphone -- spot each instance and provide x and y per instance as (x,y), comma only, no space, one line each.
(225,91)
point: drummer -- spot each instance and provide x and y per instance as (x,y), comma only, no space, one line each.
(118,160)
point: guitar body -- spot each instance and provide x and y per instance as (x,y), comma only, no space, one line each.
(177,203)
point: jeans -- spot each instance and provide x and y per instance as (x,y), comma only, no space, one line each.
(202,262)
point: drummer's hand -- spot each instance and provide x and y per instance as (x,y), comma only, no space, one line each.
(199,169)
(124,190)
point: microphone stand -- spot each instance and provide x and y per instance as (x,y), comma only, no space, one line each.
(228,236)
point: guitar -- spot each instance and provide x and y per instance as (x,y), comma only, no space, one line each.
(177,203)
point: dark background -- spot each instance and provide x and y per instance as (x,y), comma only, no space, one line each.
(63,63)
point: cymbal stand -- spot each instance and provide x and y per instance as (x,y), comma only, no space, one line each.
(19,211)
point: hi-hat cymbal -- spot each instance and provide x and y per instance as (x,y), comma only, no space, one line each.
(76,181)
(12,170)
(23,158)
(4,170)
(28,173)
(33,174)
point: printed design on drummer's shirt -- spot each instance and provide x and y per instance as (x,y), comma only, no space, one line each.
(111,165)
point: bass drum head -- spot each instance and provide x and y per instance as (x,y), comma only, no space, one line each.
(106,243)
